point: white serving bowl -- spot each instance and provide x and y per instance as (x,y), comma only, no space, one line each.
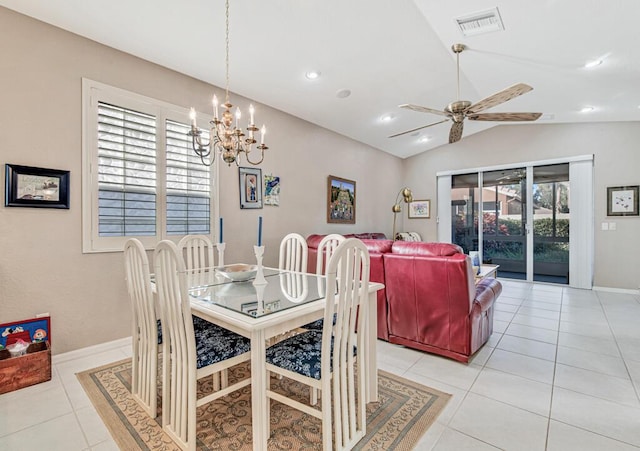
(239,272)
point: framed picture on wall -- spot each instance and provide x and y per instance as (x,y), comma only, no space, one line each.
(622,201)
(341,200)
(419,209)
(250,188)
(27,186)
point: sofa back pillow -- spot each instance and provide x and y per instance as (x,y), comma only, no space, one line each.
(425,249)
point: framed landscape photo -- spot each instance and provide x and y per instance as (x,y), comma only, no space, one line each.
(341,200)
(419,209)
(622,201)
(27,186)
(250,188)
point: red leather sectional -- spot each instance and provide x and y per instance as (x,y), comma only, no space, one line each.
(430,301)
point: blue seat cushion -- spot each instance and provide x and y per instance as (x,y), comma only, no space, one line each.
(318,324)
(300,354)
(198,323)
(215,344)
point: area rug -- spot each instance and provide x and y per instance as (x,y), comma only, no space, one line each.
(404,412)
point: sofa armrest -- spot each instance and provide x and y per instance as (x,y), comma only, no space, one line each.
(487,291)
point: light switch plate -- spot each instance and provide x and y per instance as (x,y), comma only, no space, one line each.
(612,226)
(605,226)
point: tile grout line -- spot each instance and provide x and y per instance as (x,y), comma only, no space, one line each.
(624,360)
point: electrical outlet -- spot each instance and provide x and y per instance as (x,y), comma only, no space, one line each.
(605,226)
(612,226)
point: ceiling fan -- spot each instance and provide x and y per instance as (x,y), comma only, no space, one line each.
(460,110)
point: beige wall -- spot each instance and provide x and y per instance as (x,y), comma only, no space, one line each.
(616,163)
(42,268)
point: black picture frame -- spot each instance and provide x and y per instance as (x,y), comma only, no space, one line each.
(623,201)
(250,188)
(27,186)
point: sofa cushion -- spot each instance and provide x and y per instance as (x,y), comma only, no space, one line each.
(378,246)
(314,240)
(425,249)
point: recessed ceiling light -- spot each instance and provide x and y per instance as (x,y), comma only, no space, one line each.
(343,93)
(587,109)
(424,139)
(592,64)
(387,117)
(312,74)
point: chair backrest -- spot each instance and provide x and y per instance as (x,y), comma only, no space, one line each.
(144,326)
(293,253)
(178,343)
(326,248)
(197,251)
(349,268)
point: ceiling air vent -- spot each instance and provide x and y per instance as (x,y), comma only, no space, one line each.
(480,22)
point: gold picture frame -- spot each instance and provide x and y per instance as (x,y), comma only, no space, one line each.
(419,209)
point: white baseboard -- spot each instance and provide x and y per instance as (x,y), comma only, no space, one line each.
(91,350)
(617,290)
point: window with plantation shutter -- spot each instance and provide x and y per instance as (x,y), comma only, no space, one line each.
(188,185)
(140,176)
(126,172)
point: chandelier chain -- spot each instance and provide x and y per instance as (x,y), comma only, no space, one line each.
(226,61)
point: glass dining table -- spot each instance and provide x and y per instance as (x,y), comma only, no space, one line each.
(286,301)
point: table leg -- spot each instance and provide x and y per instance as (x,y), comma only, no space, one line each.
(371,378)
(259,402)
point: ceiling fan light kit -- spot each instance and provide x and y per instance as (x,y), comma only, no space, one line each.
(459,110)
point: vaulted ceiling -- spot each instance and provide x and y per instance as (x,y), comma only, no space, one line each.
(384,53)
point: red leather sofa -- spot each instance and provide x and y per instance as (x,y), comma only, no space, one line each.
(430,301)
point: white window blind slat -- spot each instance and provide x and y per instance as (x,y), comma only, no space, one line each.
(126,172)
(188,184)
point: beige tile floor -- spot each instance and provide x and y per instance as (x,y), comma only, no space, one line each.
(560,372)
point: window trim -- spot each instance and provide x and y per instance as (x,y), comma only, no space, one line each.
(94,92)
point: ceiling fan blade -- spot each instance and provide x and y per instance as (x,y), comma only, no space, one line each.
(499,97)
(455,134)
(422,109)
(504,117)
(416,129)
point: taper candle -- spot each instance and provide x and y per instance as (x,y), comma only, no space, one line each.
(221,234)
(259,230)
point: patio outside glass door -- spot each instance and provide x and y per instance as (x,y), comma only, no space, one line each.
(504,221)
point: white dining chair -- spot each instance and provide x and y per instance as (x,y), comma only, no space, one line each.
(145,328)
(326,248)
(293,253)
(187,357)
(325,359)
(198,254)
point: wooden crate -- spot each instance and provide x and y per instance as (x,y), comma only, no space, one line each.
(29,369)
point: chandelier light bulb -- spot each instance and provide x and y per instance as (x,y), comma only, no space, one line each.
(215,107)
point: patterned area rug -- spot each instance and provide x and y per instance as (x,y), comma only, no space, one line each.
(404,412)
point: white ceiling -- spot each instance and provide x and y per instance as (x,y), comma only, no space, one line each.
(387,52)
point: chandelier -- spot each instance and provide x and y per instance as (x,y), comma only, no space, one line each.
(225,137)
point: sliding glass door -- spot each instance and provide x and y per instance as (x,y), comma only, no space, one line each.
(511,204)
(551,215)
(504,221)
